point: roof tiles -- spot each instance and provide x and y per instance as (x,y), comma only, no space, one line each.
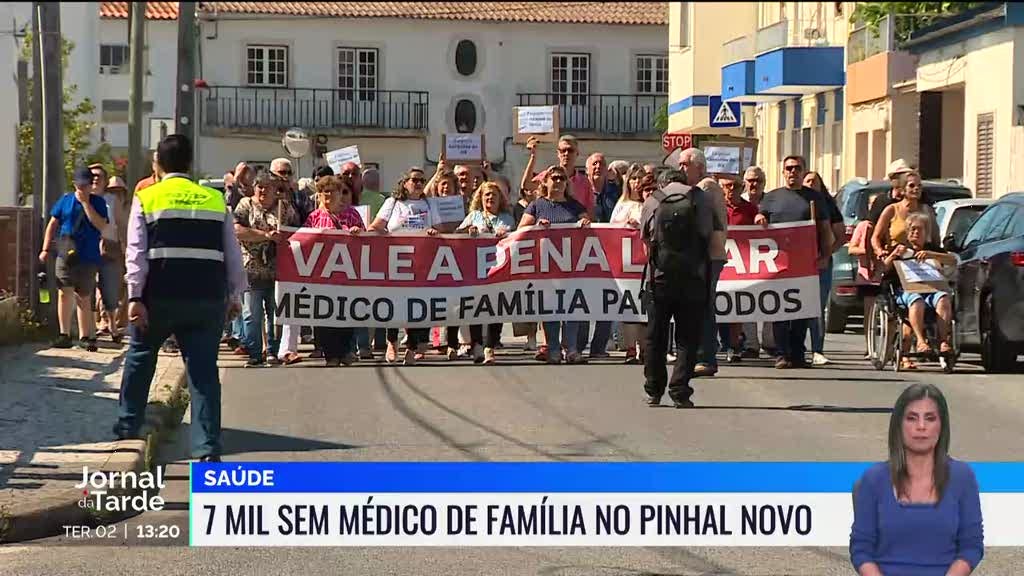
(625,13)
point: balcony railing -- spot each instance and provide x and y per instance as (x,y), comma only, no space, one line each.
(787,33)
(738,49)
(864,43)
(249,108)
(614,114)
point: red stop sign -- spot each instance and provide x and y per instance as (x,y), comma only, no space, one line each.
(672,140)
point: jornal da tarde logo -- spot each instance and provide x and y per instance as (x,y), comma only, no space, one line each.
(121,491)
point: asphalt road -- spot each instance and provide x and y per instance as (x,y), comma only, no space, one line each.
(521,410)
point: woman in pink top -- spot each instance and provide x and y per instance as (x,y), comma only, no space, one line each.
(869,270)
(335,213)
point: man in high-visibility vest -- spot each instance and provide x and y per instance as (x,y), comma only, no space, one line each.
(184,271)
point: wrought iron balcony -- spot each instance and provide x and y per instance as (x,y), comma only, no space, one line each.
(243,108)
(609,114)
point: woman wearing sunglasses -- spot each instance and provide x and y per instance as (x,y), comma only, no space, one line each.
(335,213)
(557,206)
(407,209)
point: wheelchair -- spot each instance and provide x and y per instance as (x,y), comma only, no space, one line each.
(887,322)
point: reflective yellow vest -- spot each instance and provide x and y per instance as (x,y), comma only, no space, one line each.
(185,234)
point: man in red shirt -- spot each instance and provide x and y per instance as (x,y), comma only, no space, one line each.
(739,213)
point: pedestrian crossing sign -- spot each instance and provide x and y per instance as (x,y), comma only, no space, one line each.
(723,114)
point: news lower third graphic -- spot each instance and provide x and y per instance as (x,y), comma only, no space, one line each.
(551,504)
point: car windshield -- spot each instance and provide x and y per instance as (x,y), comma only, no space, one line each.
(961,220)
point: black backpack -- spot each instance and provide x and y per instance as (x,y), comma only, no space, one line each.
(678,249)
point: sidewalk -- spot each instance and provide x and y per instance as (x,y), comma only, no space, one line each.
(57,408)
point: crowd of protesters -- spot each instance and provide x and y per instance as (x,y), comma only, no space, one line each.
(262,201)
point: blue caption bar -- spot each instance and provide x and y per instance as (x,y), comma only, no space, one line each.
(608,477)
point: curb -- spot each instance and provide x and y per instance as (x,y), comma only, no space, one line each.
(47,517)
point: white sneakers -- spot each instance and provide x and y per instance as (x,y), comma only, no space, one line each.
(819,359)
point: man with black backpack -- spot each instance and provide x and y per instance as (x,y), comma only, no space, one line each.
(677,222)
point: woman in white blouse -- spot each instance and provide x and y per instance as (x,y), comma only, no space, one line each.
(406,209)
(638,186)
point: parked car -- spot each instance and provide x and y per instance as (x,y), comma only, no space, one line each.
(215,183)
(852,200)
(956,216)
(990,284)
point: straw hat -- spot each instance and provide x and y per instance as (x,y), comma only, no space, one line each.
(115,183)
(897,167)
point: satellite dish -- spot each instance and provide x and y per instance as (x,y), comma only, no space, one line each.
(296,142)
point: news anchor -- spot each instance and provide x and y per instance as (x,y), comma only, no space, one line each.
(919,513)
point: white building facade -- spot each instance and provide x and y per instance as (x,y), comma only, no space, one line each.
(393,83)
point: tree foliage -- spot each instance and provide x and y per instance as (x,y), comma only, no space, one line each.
(661,118)
(78,122)
(908,16)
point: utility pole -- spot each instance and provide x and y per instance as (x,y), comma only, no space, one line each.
(184,111)
(48,14)
(38,204)
(137,43)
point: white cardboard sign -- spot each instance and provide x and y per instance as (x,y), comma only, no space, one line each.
(337,158)
(447,209)
(464,147)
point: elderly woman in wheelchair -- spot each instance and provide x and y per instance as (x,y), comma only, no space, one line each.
(919,306)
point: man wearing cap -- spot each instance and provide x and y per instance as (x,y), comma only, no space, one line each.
(78,216)
(184,272)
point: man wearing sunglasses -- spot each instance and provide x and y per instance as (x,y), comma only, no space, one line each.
(792,203)
(302,202)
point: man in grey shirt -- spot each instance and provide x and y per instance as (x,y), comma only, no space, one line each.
(666,298)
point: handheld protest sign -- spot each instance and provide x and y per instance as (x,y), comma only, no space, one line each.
(539,121)
(337,158)
(730,157)
(920,277)
(464,148)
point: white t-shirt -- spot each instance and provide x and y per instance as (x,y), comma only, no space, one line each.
(626,210)
(406,214)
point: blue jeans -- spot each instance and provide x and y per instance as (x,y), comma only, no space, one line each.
(197,327)
(551,335)
(238,329)
(709,339)
(818,324)
(258,304)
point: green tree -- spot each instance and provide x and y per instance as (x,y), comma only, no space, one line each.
(908,16)
(661,118)
(78,122)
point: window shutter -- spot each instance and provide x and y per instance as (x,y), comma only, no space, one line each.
(986,153)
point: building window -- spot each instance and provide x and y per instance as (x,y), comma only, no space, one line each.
(465,57)
(684,26)
(780,137)
(266,65)
(570,78)
(651,74)
(798,113)
(986,152)
(837,153)
(837,113)
(357,74)
(465,117)
(114,59)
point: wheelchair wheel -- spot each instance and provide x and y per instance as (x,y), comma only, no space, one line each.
(882,334)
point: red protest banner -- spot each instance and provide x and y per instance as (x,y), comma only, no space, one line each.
(328,277)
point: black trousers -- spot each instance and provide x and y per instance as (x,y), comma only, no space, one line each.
(476,335)
(334,342)
(416,336)
(789,339)
(665,303)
